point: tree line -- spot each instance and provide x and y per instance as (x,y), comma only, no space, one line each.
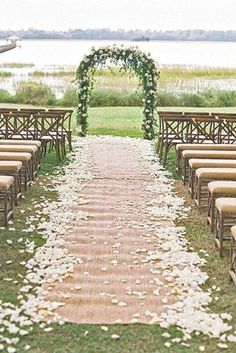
(121,34)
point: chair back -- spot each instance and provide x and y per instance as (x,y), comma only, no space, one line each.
(204,129)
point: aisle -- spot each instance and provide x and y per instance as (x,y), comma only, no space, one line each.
(116,255)
(118,283)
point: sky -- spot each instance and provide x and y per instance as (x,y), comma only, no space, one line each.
(115,14)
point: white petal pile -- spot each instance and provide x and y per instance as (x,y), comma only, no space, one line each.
(51,262)
(181,267)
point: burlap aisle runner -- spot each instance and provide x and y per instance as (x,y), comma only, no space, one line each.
(115,283)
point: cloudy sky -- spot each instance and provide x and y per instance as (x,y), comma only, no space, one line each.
(127,14)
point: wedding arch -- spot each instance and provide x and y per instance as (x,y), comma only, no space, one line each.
(129,59)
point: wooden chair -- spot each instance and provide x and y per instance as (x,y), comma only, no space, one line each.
(25,149)
(49,131)
(175,130)
(13,168)
(204,176)
(228,129)
(66,123)
(25,158)
(203,129)
(225,218)
(6,197)
(162,114)
(19,125)
(216,189)
(196,163)
(216,152)
(38,153)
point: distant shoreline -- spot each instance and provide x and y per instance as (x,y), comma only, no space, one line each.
(191,35)
(125,40)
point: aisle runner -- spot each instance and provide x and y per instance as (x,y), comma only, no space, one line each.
(133,262)
(118,283)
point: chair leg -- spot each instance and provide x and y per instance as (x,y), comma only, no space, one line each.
(184,176)
(158,144)
(191,182)
(219,234)
(8,205)
(19,186)
(161,150)
(63,145)
(211,210)
(232,271)
(198,190)
(178,162)
(58,154)
(70,141)
(6,208)
(165,154)
(26,176)
(15,190)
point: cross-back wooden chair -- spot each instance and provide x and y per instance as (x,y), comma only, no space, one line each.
(175,130)
(162,114)
(66,123)
(18,125)
(228,129)
(204,129)
(50,132)
(3,120)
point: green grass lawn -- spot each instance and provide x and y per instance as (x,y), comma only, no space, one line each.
(126,121)
(137,338)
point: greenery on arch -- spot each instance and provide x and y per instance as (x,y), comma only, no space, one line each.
(129,59)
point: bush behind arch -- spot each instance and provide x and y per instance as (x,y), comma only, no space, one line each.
(131,59)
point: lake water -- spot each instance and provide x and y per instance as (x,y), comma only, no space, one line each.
(70,52)
(51,55)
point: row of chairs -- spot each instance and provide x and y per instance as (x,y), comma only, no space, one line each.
(52,127)
(19,164)
(193,127)
(209,171)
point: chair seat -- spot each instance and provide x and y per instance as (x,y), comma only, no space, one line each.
(10,165)
(205,146)
(216,173)
(15,156)
(21,142)
(201,163)
(209,154)
(226,204)
(18,148)
(222,186)
(6,181)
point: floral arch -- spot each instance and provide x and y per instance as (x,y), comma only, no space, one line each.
(131,59)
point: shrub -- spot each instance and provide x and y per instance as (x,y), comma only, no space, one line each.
(6,97)
(40,94)
(191,100)
(167,99)
(224,99)
(69,99)
(35,93)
